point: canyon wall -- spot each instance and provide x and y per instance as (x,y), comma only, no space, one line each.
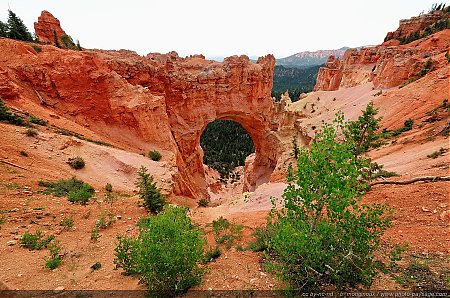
(162,100)
(389,64)
(385,66)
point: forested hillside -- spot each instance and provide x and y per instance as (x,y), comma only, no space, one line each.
(296,80)
(225,144)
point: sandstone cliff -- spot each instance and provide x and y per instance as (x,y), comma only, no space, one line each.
(385,66)
(159,101)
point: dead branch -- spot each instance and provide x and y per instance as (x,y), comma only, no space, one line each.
(12,164)
(41,99)
(413,180)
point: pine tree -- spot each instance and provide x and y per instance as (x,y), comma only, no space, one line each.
(363,132)
(3,29)
(17,29)
(55,36)
(148,192)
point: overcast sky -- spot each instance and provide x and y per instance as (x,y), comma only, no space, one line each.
(222,28)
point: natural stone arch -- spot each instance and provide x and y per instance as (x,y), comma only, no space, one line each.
(237,90)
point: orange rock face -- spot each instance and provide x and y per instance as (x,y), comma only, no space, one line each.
(385,66)
(46,27)
(158,101)
(416,24)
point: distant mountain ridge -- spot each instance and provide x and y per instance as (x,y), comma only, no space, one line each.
(308,58)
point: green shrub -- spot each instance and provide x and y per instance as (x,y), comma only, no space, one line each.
(110,197)
(31,132)
(54,260)
(95,234)
(226,232)
(105,220)
(81,196)
(35,241)
(8,117)
(148,192)
(408,124)
(76,162)
(165,255)
(23,153)
(75,190)
(212,254)
(262,239)
(67,223)
(154,155)
(38,121)
(322,235)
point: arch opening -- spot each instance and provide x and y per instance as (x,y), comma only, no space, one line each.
(226,144)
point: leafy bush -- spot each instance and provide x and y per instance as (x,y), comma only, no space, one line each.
(31,132)
(75,190)
(55,259)
(35,241)
(322,235)
(105,220)
(76,162)
(262,240)
(155,155)
(148,192)
(165,255)
(67,223)
(226,232)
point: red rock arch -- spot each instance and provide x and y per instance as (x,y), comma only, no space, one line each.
(237,90)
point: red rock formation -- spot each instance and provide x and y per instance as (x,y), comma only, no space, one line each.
(46,27)
(385,66)
(416,24)
(330,75)
(162,100)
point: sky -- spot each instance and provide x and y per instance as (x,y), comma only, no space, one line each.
(218,28)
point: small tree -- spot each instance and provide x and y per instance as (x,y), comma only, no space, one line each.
(363,132)
(56,39)
(17,29)
(148,192)
(322,235)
